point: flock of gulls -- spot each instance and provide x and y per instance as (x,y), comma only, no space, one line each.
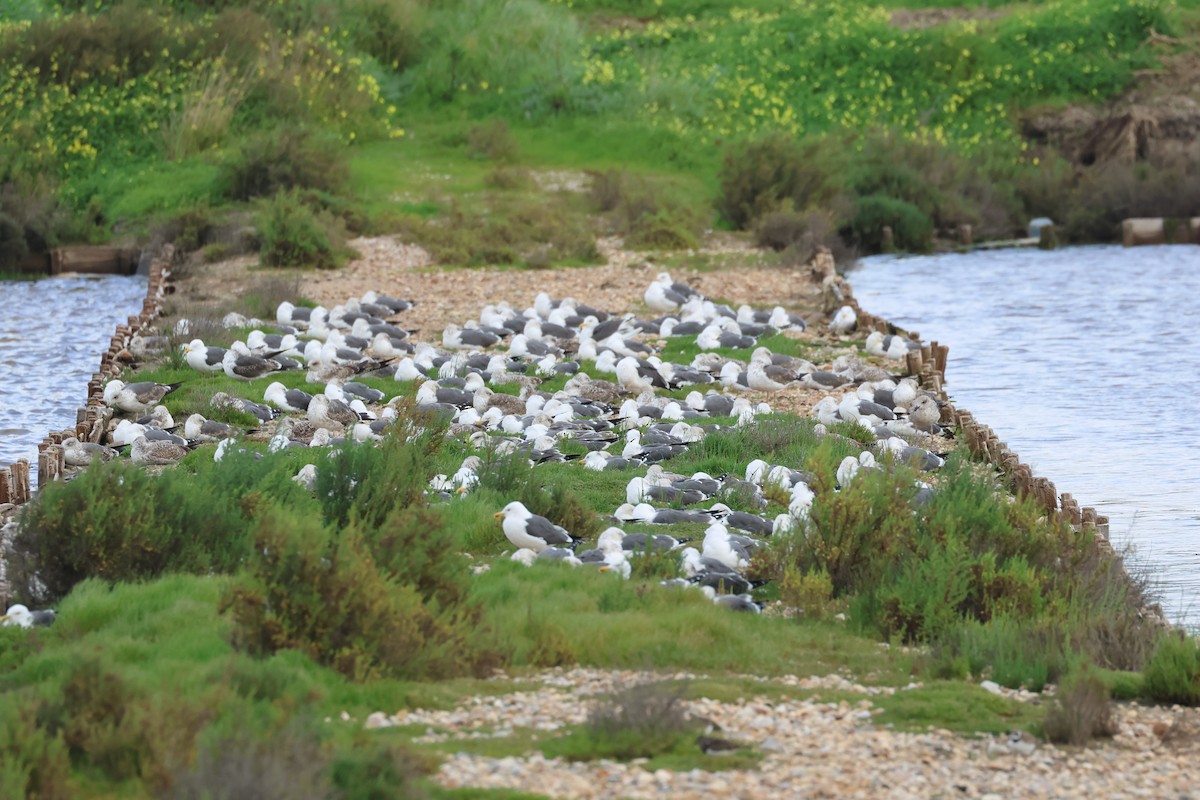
(613,412)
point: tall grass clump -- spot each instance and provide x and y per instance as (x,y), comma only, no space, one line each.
(1172,674)
(1081,710)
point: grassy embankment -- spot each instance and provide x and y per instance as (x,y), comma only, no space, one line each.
(980,585)
(219,612)
(802,122)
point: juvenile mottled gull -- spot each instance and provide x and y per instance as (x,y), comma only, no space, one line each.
(136,397)
(156,452)
(82,454)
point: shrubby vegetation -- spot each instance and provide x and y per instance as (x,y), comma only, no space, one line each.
(117,113)
(239,594)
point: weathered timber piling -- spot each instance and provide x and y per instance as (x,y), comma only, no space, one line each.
(91,419)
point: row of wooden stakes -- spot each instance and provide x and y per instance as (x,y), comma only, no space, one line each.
(929,365)
(91,420)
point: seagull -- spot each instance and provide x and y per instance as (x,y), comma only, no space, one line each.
(135,398)
(896,347)
(156,452)
(203,358)
(844,321)
(924,413)
(22,617)
(714,336)
(82,454)
(767,377)
(287,399)
(468,338)
(333,415)
(530,531)
(199,429)
(248,367)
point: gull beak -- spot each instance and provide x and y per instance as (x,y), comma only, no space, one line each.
(4,618)
(498,514)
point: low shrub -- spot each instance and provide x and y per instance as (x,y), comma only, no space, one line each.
(648,213)
(110,726)
(1172,675)
(268,163)
(1081,711)
(285,764)
(1108,193)
(912,230)
(390,30)
(305,589)
(551,228)
(13,247)
(643,721)
(491,140)
(811,593)
(759,175)
(117,523)
(32,219)
(33,762)
(1017,653)
(262,298)
(292,234)
(507,178)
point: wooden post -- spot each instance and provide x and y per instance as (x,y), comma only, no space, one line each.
(1102,526)
(20,472)
(941,353)
(913,360)
(6,485)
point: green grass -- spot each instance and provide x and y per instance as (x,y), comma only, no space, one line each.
(955,706)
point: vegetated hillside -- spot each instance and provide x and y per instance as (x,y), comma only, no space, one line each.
(115,115)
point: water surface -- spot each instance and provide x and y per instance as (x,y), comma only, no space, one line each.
(1085,361)
(52,333)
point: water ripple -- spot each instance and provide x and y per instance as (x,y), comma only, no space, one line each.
(1083,360)
(51,335)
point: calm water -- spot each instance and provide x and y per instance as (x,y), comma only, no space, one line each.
(51,334)
(1086,361)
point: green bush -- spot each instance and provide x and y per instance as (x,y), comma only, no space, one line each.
(1172,675)
(912,230)
(304,589)
(33,762)
(367,484)
(292,234)
(268,163)
(759,175)
(117,523)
